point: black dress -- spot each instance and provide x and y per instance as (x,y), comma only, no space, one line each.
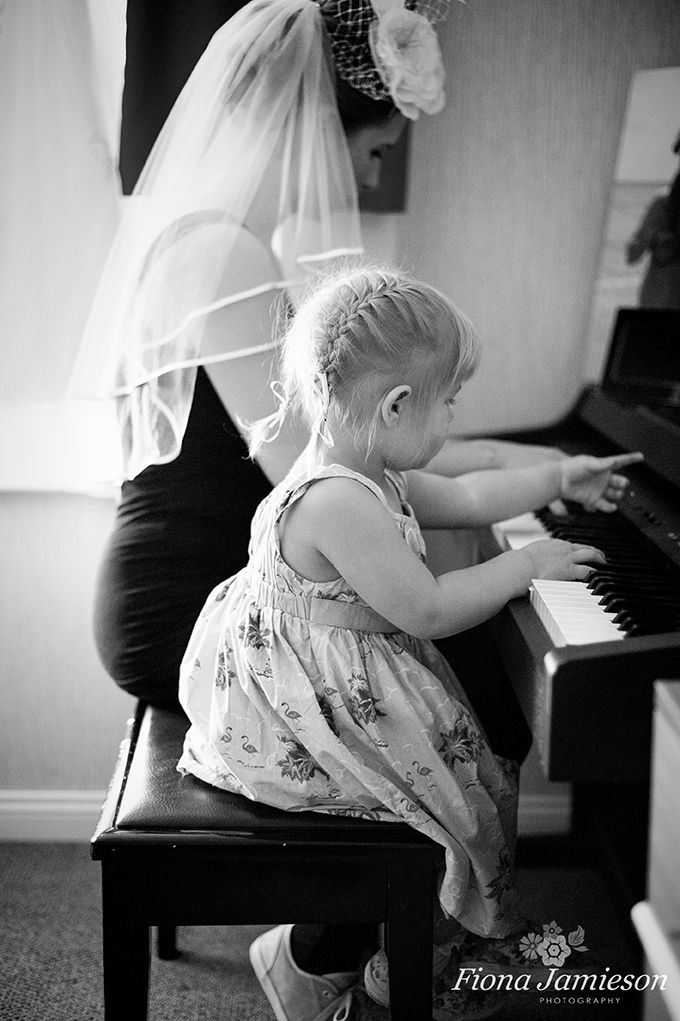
(180,529)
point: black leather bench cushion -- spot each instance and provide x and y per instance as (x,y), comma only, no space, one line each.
(157,797)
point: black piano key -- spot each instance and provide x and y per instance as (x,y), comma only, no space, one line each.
(608,582)
(667,621)
(633,596)
(634,603)
(627,583)
(646,587)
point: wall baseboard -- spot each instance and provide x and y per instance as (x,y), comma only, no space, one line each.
(49,815)
(71,815)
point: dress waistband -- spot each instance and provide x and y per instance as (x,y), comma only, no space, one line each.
(331,612)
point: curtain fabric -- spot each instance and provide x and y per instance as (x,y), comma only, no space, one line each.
(61,65)
(165,39)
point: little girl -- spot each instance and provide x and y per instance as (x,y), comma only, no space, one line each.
(310,680)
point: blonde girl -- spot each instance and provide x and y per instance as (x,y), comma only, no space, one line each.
(311,680)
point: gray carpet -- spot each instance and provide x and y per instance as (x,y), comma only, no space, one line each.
(50,964)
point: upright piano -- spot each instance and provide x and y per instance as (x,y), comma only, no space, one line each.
(583,656)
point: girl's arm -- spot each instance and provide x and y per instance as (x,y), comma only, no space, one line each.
(459,456)
(341,523)
(480,498)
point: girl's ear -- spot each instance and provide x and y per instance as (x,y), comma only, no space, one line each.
(393,403)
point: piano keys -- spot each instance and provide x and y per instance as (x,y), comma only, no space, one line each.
(637,592)
(571,614)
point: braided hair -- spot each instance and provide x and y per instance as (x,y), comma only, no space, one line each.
(359,333)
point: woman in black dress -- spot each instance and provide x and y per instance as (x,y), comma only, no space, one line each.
(258,169)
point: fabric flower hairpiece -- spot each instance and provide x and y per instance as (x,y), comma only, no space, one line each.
(406,53)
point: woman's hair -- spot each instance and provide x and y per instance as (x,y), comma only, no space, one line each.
(358,110)
(362,97)
(358,334)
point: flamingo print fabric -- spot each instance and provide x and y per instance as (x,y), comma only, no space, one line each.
(302,697)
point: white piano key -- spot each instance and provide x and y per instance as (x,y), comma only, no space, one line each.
(514,533)
(571,614)
(576,598)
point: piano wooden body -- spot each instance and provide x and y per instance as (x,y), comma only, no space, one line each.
(589,700)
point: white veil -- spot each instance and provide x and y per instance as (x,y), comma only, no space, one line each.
(254,142)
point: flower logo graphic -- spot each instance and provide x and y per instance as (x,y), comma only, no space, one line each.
(551,946)
(529,944)
(554,950)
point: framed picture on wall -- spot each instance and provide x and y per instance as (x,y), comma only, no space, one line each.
(390,196)
(640,250)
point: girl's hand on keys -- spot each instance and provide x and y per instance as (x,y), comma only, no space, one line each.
(593,482)
(561,560)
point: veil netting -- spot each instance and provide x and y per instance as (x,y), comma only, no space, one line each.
(254,143)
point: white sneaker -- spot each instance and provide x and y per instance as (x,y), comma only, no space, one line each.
(295,995)
(377,973)
(447,1004)
(377,978)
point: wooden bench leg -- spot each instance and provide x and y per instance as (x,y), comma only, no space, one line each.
(166,942)
(409,940)
(126,944)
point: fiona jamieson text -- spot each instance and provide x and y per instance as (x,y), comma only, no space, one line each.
(559,981)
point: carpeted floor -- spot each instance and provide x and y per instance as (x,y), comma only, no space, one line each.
(50,965)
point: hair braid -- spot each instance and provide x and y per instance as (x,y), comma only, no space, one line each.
(362,331)
(355,299)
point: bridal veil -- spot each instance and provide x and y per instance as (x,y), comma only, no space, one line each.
(254,143)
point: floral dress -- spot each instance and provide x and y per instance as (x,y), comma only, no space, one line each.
(303,697)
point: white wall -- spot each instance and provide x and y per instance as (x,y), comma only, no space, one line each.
(62,719)
(509,184)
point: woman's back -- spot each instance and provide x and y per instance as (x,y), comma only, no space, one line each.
(180,528)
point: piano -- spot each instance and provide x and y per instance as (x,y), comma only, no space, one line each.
(583,657)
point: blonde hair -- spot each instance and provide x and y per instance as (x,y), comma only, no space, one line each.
(363,331)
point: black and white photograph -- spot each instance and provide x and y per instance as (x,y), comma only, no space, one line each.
(340,510)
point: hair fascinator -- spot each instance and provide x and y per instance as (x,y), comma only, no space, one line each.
(388,49)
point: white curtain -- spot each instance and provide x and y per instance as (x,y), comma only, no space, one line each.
(61,69)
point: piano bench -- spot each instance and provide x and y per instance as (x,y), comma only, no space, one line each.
(175,851)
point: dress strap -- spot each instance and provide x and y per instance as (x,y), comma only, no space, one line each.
(398,480)
(331,612)
(300,485)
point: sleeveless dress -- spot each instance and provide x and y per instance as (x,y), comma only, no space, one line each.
(303,697)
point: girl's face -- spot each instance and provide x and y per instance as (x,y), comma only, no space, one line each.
(367,147)
(422,432)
